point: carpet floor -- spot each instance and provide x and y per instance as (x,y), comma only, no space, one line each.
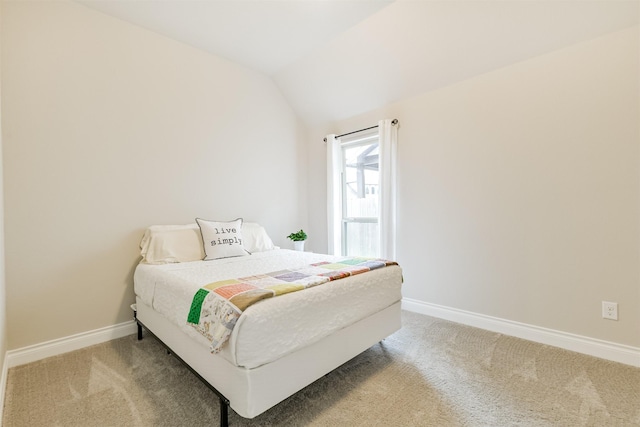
(430,373)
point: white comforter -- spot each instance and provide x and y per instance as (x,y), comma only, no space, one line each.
(274,327)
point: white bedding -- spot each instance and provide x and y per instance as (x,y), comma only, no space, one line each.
(274,327)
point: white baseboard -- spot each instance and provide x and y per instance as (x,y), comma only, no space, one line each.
(594,347)
(63,345)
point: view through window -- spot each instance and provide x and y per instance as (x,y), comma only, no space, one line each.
(360,197)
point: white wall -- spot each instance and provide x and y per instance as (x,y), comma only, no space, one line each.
(3,304)
(518,190)
(109,128)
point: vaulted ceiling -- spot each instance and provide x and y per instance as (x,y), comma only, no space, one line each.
(336,59)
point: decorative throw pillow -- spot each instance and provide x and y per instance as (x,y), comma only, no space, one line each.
(221,239)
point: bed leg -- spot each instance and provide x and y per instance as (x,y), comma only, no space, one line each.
(135,317)
(224,413)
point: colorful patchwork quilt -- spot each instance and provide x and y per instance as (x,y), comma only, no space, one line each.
(216,307)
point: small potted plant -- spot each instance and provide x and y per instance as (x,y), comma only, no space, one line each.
(298,240)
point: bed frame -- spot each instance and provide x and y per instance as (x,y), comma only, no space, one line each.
(250,392)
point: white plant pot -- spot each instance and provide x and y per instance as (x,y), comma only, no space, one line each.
(298,246)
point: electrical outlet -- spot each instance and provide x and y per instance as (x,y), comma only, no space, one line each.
(609,310)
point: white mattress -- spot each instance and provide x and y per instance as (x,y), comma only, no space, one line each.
(277,326)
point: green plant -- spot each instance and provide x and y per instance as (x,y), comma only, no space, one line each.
(298,237)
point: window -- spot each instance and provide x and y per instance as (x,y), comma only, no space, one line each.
(360,201)
(361,181)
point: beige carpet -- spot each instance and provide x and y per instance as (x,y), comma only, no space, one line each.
(431,373)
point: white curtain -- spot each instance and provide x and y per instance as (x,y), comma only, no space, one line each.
(388,143)
(334,194)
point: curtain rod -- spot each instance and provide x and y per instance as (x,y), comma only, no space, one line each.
(393,122)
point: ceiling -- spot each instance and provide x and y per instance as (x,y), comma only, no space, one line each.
(334,59)
(265,35)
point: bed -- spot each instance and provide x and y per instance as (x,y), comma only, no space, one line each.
(278,345)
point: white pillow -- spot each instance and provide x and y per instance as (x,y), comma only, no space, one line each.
(222,239)
(255,238)
(162,244)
